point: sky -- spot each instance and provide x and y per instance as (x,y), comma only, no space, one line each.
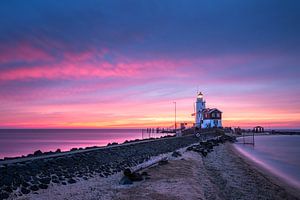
(116,63)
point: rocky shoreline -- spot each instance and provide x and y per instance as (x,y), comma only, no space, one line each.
(26,177)
(39,153)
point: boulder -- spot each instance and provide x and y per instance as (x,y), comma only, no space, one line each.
(34,180)
(125,181)
(6,180)
(191,148)
(7,189)
(43,186)
(4,195)
(58,151)
(132,176)
(54,177)
(25,184)
(34,188)
(136,177)
(204,153)
(17,180)
(176,154)
(163,162)
(45,181)
(55,180)
(71,181)
(127,172)
(38,153)
(25,190)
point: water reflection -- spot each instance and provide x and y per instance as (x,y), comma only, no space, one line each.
(278,154)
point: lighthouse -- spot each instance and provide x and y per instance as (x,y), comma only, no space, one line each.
(200,106)
(206,117)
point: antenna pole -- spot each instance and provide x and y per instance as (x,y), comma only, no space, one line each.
(175,116)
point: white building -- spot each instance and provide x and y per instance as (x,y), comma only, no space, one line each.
(200,106)
(206,117)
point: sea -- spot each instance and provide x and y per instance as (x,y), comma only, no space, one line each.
(279,154)
(18,142)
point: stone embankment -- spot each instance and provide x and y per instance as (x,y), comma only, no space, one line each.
(21,178)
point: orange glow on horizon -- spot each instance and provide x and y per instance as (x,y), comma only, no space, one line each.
(154,113)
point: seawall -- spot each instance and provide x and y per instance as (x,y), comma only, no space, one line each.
(30,175)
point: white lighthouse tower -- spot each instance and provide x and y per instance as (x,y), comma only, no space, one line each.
(200,106)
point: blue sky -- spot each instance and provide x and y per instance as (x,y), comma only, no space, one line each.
(64,58)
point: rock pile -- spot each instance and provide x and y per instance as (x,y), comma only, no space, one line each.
(176,154)
(204,147)
(129,177)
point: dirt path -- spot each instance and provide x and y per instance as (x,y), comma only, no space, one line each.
(179,179)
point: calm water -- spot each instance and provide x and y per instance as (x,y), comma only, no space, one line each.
(279,154)
(24,141)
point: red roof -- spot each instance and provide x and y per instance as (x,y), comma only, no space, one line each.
(210,110)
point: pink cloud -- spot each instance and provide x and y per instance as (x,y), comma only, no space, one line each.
(23,52)
(84,56)
(65,71)
(91,63)
(77,68)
